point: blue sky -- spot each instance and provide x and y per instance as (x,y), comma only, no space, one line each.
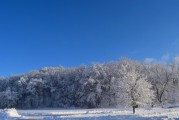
(39,33)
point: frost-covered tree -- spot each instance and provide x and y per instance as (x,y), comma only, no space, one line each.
(162,79)
(91,89)
(136,87)
(8,98)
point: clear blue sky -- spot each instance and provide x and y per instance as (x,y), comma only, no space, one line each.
(39,33)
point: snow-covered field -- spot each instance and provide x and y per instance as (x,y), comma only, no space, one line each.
(90,114)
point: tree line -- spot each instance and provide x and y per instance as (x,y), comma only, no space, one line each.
(122,83)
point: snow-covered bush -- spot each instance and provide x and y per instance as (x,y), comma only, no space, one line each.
(8,114)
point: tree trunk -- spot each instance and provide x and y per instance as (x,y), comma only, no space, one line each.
(133,109)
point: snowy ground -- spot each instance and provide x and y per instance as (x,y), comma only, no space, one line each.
(90,114)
